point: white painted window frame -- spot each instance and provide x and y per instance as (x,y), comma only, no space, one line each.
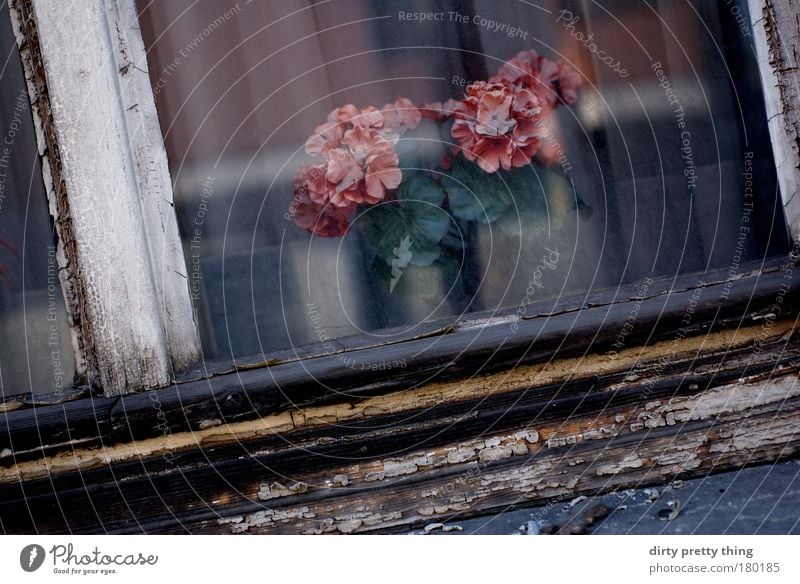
(109,190)
(108,184)
(776,34)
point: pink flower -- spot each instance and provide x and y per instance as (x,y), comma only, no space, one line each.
(494,112)
(569,81)
(326,137)
(382,173)
(521,69)
(359,164)
(401,116)
(369,117)
(376,155)
(360,170)
(530,71)
(549,81)
(344,173)
(437,110)
(343,114)
(322,220)
(545,85)
(311,181)
(497,125)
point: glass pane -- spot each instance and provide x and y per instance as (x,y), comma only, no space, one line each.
(353,166)
(35,349)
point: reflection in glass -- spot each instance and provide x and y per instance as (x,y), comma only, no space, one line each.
(35,351)
(348,166)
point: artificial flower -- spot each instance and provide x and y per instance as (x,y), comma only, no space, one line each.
(437,110)
(496,125)
(323,220)
(401,116)
(548,80)
(569,82)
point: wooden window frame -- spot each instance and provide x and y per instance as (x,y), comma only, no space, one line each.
(460,379)
(133,328)
(120,257)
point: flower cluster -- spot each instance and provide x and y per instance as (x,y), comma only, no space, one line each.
(359,166)
(498,123)
(551,82)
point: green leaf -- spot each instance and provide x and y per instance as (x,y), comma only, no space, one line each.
(532,213)
(422,147)
(420,187)
(408,232)
(475,194)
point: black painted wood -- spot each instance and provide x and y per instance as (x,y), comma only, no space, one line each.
(158,494)
(561,328)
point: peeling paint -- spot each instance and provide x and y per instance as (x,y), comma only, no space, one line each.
(276,490)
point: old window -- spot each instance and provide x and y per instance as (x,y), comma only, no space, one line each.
(642,156)
(618,306)
(655,161)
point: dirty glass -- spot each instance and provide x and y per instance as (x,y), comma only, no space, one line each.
(35,349)
(357,167)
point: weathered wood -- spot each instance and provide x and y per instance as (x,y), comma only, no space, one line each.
(527,474)
(547,392)
(105,174)
(776,35)
(519,447)
(281,391)
(559,406)
(146,146)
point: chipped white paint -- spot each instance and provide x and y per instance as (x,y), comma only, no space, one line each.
(130,296)
(776,34)
(741,433)
(154,183)
(76,456)
(276,490)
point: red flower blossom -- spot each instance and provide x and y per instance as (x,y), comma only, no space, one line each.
(360,161)
(343,174)
(438,111)
(401,116)
(311,181)
(549,81)
(528,70)
(382,173)
(497,125)
(326,137)
(569,81)
(323,220)
(379,161)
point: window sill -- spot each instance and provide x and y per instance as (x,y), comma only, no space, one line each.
(568,327)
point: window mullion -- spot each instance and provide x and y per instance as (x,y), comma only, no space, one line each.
(776,35)
(109,192)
